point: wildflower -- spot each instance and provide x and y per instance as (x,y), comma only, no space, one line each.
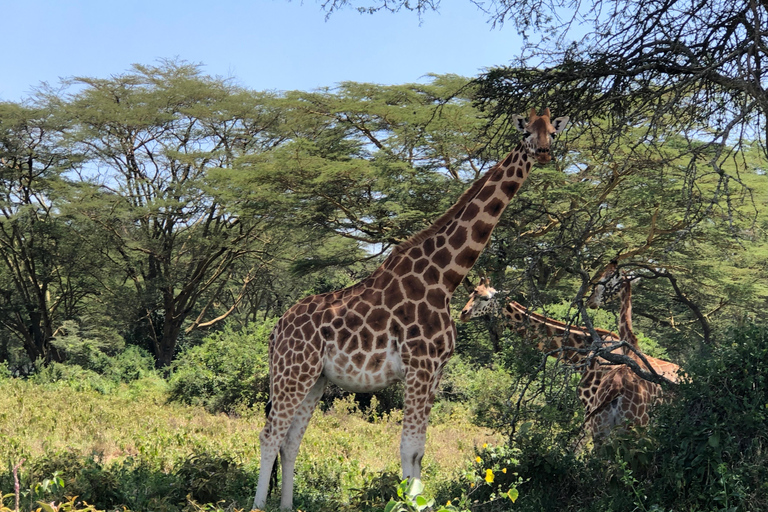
(489,475)
(504,471)
(478,459)
(472,485)
(485,445)
(448,503)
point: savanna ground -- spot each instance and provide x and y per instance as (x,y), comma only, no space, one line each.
(132,440)
(177,455)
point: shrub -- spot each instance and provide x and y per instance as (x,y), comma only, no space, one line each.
(75,376)
(132,364)
(228,371)
(712,435)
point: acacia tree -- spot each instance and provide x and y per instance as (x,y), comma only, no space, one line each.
(45,278)
(371,163)
(152,137)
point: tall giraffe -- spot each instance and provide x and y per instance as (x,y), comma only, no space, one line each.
(394,325)
(568,343)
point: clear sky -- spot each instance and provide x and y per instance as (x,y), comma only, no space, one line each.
(262,44)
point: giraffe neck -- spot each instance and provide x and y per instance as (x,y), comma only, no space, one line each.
(553,334)
(445,252)
(625,314)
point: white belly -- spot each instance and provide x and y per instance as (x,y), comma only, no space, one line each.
(363,372)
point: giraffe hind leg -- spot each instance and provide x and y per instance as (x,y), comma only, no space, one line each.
(289,448)
(285,405)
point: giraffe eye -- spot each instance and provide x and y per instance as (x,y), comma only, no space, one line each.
(526,133)
(554,135)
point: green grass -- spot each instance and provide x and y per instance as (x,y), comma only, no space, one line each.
(132,448)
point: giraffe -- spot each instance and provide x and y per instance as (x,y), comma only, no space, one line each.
(611,282)
(394,325)
(569,343)
(624,395)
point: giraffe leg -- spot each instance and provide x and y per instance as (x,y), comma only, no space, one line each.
(285,405)
(269,448)
(290,447)
(419,396)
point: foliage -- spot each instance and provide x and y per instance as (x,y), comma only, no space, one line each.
(711,439)
(227,372)
(138,451)
(703,450)
(90,368)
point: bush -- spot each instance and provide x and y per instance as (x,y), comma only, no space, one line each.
(75,376)
(712,435)
(132,364)
(704,449)
(225,373)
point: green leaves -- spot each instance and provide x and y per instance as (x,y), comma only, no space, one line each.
(409,491)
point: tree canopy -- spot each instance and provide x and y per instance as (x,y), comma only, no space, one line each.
(163,203)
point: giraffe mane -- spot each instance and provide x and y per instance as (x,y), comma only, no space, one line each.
(430,231)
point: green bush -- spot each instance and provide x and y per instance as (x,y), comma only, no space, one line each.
(228,371)
(132,364)
(75,376)
(712,435)
(704,449)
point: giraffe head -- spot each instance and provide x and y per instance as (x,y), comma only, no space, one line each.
(480,301)
(539,132)
(608,285)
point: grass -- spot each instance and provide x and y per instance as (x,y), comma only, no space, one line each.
(51,425)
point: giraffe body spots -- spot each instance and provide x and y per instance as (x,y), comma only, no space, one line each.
(393,295)
(442,258)
(377,319)
(481,231)
(414,288)
(431,276)
(459,237)
(470,212)
(485,194)
(467,257)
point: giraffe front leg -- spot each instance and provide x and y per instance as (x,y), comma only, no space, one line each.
(419,397)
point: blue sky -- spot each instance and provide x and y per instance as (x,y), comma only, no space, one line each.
(262,44)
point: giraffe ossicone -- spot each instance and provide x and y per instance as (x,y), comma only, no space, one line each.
(394,325)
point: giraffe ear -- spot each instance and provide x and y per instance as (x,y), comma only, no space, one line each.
(559,123)
(519,122)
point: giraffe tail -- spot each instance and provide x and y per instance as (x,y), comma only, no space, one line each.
(273,475)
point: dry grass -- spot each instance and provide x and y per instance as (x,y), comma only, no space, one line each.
(37,421)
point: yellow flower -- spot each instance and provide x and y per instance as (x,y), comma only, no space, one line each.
(448,503)
(478,460)
(472,485)
(504,471)
(489,475)
(485,445)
